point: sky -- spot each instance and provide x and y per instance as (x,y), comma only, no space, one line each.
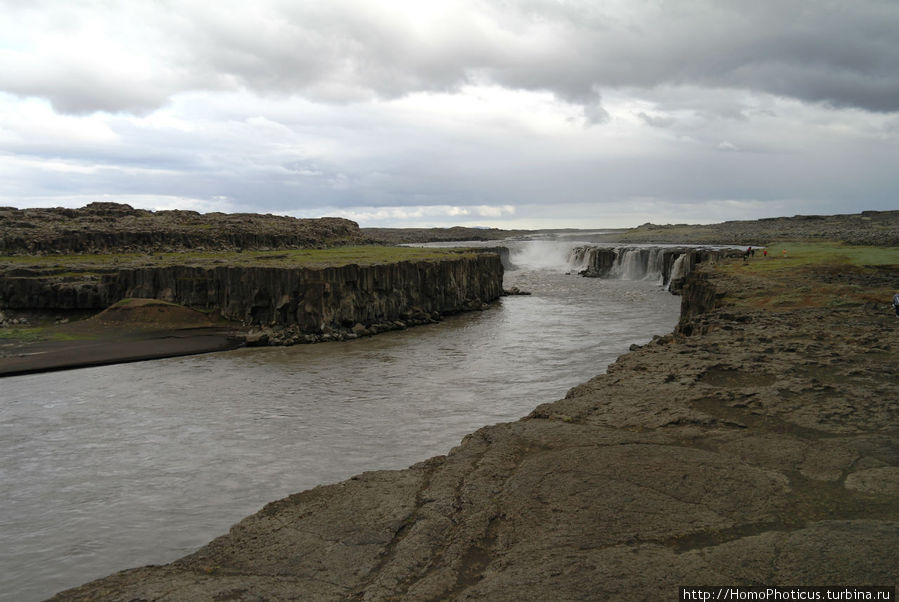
(502,113)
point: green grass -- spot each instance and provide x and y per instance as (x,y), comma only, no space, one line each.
(822,274)
(141,302)
(818,254)
(74,265)
(38,334)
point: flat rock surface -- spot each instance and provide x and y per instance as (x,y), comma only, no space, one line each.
(763,451)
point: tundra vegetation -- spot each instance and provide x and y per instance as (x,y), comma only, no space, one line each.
(823,274)
(87,263)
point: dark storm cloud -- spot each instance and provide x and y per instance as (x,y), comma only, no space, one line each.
(838,53)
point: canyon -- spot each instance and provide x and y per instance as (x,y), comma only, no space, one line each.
(757,444)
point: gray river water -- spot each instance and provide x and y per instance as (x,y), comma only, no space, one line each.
(109,468)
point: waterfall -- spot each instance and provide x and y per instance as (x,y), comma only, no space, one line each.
(638,264)
(544,255)
(677,270)
(628,263)
(579,258)
(668,265)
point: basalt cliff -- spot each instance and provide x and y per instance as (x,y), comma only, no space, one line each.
(287,303)
(757,444)
(244,268)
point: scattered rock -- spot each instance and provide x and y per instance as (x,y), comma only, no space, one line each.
(514,291)
(257,338)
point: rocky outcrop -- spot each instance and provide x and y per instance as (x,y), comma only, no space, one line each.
(103,227)
(396,236)
(306,301)
(504,253)
(699,297)
(763,451)
(875,228)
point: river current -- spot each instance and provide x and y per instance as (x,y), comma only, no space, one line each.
(114,467)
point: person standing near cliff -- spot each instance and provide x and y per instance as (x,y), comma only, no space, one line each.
(896,303)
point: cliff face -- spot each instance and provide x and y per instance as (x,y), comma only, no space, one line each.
(699,297)
(308,299)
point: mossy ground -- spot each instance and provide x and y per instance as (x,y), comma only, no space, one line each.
(126,320)
(81,264)
(40,333)
(154,314)
(815,275)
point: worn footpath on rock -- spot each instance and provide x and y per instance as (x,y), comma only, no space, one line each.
(752,446)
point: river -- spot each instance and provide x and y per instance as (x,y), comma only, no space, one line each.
(113,467)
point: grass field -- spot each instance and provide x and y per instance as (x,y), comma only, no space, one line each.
(39,333)
(816,275)
(77,264)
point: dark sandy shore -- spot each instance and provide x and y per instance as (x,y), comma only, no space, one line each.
(130,331)
(48,356)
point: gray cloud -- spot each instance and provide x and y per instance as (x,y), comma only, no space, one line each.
(437,112)
(839,53)
(658,121)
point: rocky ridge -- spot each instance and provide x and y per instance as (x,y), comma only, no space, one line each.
(875,228)
(750,446)
(102,227)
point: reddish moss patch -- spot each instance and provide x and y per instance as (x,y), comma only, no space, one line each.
(152,312)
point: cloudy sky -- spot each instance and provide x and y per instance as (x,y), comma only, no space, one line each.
(507,113)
